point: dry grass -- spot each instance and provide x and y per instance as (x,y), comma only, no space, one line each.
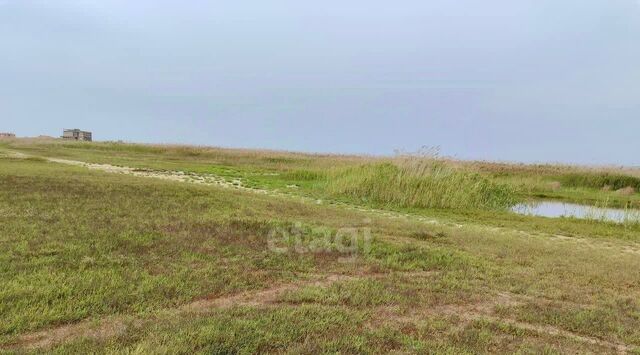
(555,185)
(627,191)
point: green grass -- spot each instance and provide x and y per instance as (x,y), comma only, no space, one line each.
(86,248)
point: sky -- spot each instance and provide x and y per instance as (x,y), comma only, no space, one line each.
(506,80)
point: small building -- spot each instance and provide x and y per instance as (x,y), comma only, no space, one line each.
(7,135)
(77,135)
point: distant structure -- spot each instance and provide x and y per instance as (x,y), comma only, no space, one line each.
(77,135)
(7,135)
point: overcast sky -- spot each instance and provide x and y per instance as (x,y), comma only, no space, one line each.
(521,80)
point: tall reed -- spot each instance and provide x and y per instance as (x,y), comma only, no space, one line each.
(416,181)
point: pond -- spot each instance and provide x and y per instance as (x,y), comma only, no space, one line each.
(554,209)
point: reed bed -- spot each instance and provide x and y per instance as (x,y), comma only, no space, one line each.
(414,181)
(601,180)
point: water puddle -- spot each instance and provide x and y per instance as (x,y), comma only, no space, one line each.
(555,209)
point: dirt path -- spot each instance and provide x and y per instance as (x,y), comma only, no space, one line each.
(113,326)
(119,325)
(14,154)
(486,310)
(200,179)
(554,332)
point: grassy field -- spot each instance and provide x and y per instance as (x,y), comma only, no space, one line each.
(298,253)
